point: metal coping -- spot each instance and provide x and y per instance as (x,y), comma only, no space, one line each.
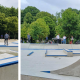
(14,43)
(46,71)
(67,50)
(76,53)
(46,52)
(9,63)
(8,46)
(30,53)
(39,49)
(45,49)
(74,49)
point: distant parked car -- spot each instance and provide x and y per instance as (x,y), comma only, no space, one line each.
(77,42)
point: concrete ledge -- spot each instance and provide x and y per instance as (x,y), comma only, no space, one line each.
(45,53)
(68,52)
(76,54)
(53,55)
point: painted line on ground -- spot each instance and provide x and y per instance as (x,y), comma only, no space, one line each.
(9,58)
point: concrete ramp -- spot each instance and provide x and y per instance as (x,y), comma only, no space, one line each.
(9,68)
(27,77)
(72,70)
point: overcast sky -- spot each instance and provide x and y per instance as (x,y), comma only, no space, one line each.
(51,6)
(9,3)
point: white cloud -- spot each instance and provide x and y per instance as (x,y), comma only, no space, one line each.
(24,2)
(51,6)
(9,3)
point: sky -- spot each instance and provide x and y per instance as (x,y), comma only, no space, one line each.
(51,6)
(9,3)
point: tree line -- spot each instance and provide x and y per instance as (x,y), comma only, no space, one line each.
(9,21)
(40,24)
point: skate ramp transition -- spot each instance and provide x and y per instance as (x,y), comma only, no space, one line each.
(49,46)
(72,70)
(27,77)
(8,67)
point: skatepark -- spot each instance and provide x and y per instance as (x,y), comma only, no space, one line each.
(9,60)
(11,42)
(50,62)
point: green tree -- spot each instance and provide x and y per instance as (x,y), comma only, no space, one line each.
(38,29)
(9,21)
(3,22)
(43,14)
(28,18)
(24,30)
(13,12)
(70,22)
(51,25)
(32,10)
(12,25)
(59,29)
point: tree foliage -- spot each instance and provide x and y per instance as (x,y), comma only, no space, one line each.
(66,22)
(51,25)
(32,10)
(24,30)
(9,21)
(38,29)
(70,22)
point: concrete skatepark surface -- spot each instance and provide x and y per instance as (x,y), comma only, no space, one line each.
(11,42)
(9,62)
(72,70)
(33,66)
